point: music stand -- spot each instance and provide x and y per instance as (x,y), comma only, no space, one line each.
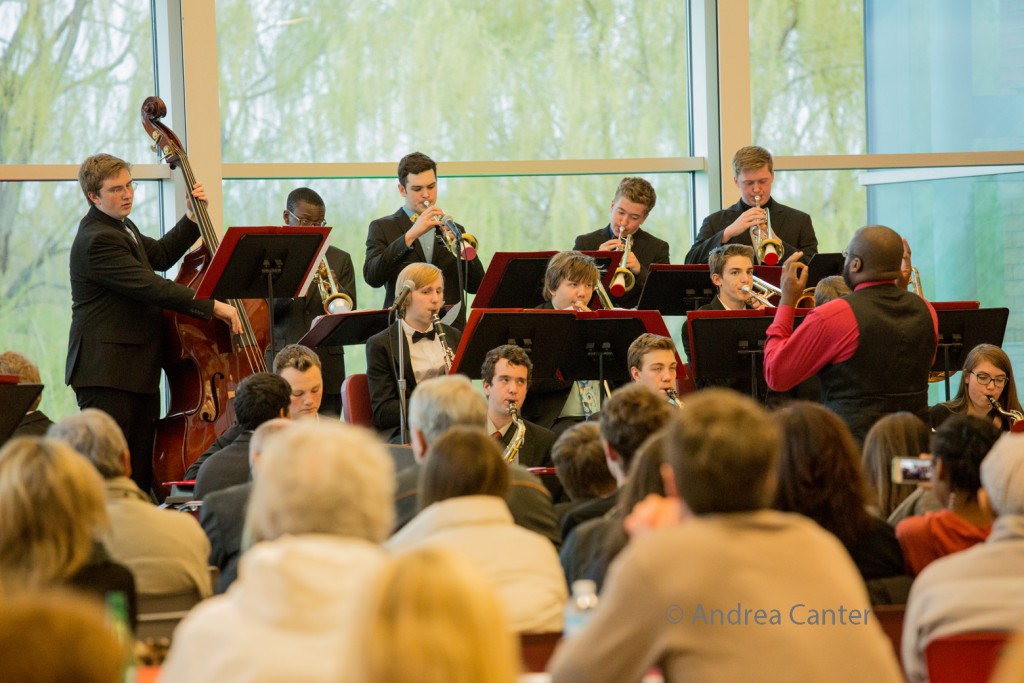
(542,334)
(516,279)
(960,330)
(16,399)
(252,261)
(345,329)
(824,265)
(675,290)
(599,346)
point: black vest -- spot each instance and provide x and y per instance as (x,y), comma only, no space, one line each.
(889,371)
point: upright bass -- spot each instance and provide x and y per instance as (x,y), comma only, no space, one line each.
(203,361)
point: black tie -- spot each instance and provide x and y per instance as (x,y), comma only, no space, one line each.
(416,336)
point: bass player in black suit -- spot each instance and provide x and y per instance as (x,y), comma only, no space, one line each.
(117,301)
(506,376)
(632,204)
(413,235)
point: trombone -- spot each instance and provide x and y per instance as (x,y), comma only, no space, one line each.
(462,245)
(767,247)
(335,300)
(763,291)
(624,279)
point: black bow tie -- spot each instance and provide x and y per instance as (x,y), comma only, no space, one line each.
(416,336)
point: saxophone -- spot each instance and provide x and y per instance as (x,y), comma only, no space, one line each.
(673,398)
(449,355)
(511,454)
(1014,416)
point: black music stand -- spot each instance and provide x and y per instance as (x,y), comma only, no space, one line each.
(252,261)
(345,329)
(675,290)
(598,348)
(516,279)
(729,345)
(541,333)
(16,399)
(824,265)
(960,330)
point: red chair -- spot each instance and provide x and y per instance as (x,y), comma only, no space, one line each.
(537,649)
(355,401)
(966,657)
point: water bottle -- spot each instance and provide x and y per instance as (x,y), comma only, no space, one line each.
(580,607)
(119,622)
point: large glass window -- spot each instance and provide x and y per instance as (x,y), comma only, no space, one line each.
(835,200)
(322,81)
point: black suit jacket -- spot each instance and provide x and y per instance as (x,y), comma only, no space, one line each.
(790,225)
(387,254)
(227,467)
(117,302)
(536,448)
(223,518)
(382,376)
(648,249)
(294,317)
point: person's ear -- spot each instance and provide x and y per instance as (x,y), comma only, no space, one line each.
(716,279)
(419,445)
(284,216)
(634,372)
(401,189)
(126,459)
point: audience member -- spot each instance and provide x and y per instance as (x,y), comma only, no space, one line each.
(820,477)
(958,446)
(431,617)
(898,435)
(51,519)
(506,374)
(35,422)
(319,510)
(223,512)
(579,460)
(590,548)
(165,550)
(438,405)
(736,591)
(463,484)
(987,374)
(260,397)
(979,589)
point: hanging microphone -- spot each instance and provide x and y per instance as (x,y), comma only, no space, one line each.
(403,294)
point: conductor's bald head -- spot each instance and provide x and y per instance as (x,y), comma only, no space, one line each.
(875,253)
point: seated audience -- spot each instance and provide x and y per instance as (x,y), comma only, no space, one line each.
(165,550)
(35,422)
(829,288)
(260,397)
(820,477)
(443,617)
(631,414)
(590,548)
(463,484)
(223,512)
(52,516)
(506,374)
(958,446)
(424,355)
(578,457)
(898,435)
(449,401)
(979,589)
(652,361)
(319,510)
(56,637)
(730,590)
(987,375)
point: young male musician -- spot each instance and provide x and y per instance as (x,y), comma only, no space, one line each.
(652,362)
(632,204)
(506,377)
(115,343)
(754,172)
(413,235)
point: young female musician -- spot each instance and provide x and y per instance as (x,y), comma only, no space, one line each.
(987,373)
(425,350)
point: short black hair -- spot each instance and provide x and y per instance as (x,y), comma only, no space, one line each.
(961,442)
(260,397)
(303,194)
(510,352)
(414,163)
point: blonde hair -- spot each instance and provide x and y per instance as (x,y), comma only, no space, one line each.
(432,617)
(52,508)
(96,169)
(751,158)
(421,274)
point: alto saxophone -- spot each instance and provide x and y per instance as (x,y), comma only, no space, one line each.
(511,454)
(673,398)
(449,355)
(1014,416)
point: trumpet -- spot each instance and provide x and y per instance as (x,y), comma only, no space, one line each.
(762,291)
(462,245)
(511,453)
(767,247)
(1014,416)
(673,398)
(624,278)
(449,355)
(335,300)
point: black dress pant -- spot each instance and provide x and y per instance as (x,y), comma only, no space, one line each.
(135,414)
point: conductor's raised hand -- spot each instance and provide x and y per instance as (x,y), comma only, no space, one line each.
(794,279)
(228,314)
(906,268)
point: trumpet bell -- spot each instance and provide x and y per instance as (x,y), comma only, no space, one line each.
(769,252)
(623,281)
(469,246)
(339,302)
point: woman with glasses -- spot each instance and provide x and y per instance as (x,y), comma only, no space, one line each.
(987,373)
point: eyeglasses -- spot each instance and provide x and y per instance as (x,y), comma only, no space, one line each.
(847,254)
(305,221)
(985,379)
(122,190)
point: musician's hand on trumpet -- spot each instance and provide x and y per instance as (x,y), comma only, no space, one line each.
(616,244)
(793,281)
(748,219)
(426,220)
